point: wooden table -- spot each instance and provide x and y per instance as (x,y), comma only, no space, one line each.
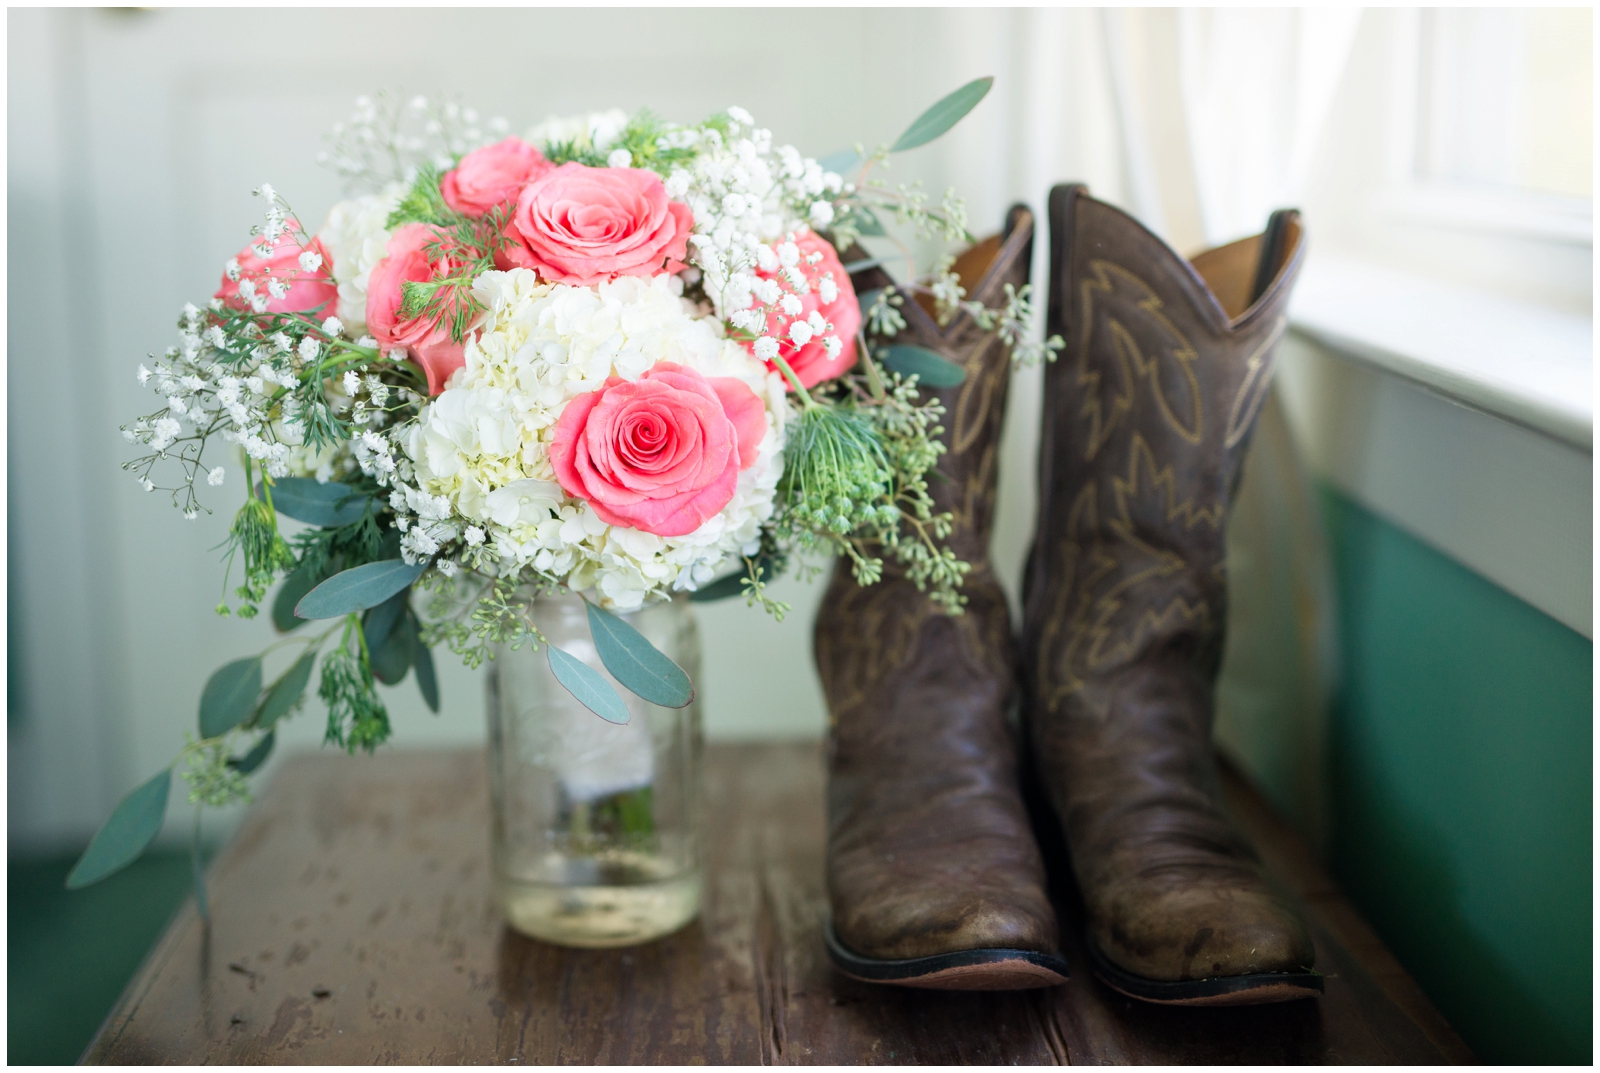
(353,924)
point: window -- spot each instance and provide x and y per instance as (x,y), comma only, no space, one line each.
(1505,101)
(1497,133)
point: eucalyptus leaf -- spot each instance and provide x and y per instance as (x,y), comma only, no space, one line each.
(257,755)
(427,681)
(943,115)
(328,504)
(587,685)
(286,691)
(636,663)
(861,266)
(867,222)
(380,620)
(732,585)
(931,370)
(294,586)
(130,828)
(229,696)
(391,662)
(841,162)
(358,588)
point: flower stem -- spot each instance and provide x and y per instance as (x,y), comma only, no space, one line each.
(794,382)
(200,900)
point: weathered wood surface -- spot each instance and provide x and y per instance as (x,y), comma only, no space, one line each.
(353,924)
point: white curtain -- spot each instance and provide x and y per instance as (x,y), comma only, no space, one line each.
(1256,88)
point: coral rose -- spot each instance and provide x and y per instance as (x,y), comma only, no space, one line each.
(661,453)
(492,176)
(583,226)
(810,360)
(426,341)
(308,290)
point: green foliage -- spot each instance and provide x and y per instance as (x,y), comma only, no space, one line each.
(229,697)
(629,814)
(635,662)
(287,693)
(423,203)
(305,499)
(755,570)
(842,162)
(880,312)
(213,780)
(324,552)
(296,585)
(427,680)
(836,476)
(587,685)
(359,588)
(463,247)
(380,621)
(256,756)
(855,483)
(944,114)
(571,151)
(929,368)
(357,718)
(132,826)
(472,614)
(255,534)
(646,138)
(392,659)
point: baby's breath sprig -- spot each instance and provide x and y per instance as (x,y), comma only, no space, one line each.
(389,137)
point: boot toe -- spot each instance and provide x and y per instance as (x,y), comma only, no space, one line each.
(900,914)
(1199,933)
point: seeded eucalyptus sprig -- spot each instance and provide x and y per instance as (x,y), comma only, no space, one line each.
(855,481)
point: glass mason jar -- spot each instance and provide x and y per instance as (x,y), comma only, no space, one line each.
(596,825)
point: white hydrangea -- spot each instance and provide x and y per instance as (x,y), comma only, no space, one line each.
(356,236)
(482,447)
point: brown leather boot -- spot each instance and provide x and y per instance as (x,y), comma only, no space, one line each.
(934,877)
(1147,414)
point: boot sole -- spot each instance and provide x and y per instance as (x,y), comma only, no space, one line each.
(964,970)
(1254,989)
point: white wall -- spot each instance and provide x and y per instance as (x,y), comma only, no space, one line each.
(134,140)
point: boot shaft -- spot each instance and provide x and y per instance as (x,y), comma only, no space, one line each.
(965,480)
(1147,414)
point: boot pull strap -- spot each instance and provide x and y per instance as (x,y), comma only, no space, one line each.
(1063,200)
(1274,250)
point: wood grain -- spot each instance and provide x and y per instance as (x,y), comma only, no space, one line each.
(353,924)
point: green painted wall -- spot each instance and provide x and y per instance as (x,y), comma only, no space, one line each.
(1460,792)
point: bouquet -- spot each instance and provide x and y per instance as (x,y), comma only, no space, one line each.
(617,357)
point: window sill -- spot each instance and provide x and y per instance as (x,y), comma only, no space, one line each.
(1528,365)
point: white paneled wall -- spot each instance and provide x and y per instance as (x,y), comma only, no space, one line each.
(134,140)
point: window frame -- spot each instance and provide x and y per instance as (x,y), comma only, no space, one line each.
(1407,196)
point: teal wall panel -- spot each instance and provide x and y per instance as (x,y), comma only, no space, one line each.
(1460,789)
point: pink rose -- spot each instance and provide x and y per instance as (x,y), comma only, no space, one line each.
(492,176)
(661,453)
(308,290)
(810,360)
(426,341)
(584,226)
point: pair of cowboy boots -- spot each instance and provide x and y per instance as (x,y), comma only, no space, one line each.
(935,878)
